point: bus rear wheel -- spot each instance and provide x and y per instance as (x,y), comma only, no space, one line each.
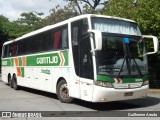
(14,82)
(63,92)
(10,81)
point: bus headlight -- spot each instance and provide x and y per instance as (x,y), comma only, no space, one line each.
(104,84)
(145,82)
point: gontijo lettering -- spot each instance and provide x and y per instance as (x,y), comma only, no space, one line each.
(47,60)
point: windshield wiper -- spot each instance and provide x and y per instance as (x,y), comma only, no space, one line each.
(135,64)
(137,67)
(122,66)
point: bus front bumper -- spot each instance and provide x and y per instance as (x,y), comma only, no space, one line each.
(103,94)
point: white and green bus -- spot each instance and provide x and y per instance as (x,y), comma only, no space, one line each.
(90,57)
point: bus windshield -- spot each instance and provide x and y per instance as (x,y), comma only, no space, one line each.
(117,26)
(122,56)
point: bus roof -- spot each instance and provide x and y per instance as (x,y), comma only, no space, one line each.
(49,27)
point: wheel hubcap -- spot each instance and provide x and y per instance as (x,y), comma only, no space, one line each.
(64,91)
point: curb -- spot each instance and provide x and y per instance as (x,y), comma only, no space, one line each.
(154,90)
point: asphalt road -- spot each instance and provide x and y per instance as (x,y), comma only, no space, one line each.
(27,99)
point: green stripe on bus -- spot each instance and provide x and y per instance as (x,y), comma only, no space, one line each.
(65,54)
(8,62)
(22,70)
(105,78)
(20,61)
(52,59)
(124,80)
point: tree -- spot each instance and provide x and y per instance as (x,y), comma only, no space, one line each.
(88,5)
(59,14)
(76,4)
(31,21)
(74,8)
(4,29)
(94,3)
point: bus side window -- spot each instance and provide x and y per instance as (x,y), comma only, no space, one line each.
(5,51)
(60,37)
(8,50)
(21,47)
(75,36)
(64,38)
(57,38)
(14,50)
(46,42)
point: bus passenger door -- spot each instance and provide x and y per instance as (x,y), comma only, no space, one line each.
(82,58)
(85,69)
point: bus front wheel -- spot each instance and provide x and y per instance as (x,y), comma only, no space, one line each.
(63,92)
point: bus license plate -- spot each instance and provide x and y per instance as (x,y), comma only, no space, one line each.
(128,94)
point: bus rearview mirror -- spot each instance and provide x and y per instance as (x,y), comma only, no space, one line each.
(155,43)
(96,36)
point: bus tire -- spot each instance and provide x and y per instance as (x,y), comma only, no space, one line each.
(63,92)
(14,82)
(10,81)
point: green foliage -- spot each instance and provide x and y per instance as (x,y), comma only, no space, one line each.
(88,10)
(29,22)
(59,14)
(87,6)
(4,28)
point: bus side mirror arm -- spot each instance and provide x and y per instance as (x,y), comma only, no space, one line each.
(155,43)
(96,36)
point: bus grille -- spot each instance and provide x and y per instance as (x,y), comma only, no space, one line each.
(127,85)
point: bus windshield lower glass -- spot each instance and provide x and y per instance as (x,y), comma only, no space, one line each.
(122,56)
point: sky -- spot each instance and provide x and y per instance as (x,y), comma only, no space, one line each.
(12,9)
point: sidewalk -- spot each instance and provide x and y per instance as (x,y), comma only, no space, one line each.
(154,90)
